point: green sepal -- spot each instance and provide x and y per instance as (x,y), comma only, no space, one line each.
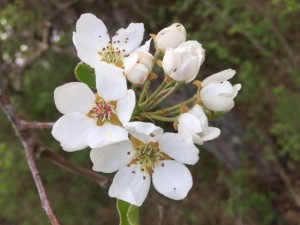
(128,213)
(86,74)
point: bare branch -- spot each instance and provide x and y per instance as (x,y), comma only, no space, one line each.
(29,144)
(60,161)
(35,125)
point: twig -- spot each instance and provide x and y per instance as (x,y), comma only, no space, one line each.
(29,144)
(60,161)
(35,125)
(160,214)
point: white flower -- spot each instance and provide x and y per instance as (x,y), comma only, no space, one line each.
(151,153)
(195,124)
(90,119)
(170,36)
(183,63)
(217,93)
(138,65)
(93,44)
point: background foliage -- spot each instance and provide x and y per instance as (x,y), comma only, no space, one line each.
(250,175)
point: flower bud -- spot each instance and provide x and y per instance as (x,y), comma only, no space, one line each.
(138,66)
(183,63)
(217,93)
(170,36)
(194,124)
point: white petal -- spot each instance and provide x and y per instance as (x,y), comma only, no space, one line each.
(111,82)
(218,103)
(188,69)
(106,134)
(236,88)
(93,30)
(112,157)
(171,61)
(86,50)
(187,133)
(125,107)
(211,133)
(172,179)
(145,132)
(220,76)
(192,45)
(74,97)
(130,62)
(190,121)
(90,38)
(129,39)
(170,36)
(138,74)
(198,111)
(213,89)
(179,147)
(72,131)
(130,185)
(145,47)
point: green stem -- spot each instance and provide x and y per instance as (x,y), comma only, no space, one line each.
(153,95)
(154,116)
(134,87)
(187,102)
(144,91)
(129,214)
(164,97)
(157,55)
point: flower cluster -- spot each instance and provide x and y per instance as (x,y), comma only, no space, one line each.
(117,123)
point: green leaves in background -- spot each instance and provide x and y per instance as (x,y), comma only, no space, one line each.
(129,214)
(86,74)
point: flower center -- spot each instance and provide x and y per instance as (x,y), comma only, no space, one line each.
(111,54)
(148,156)
(102,111)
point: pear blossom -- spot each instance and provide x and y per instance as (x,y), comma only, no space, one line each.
(150,154)
(94,46)
(194,124)
(217,93)
(138,65)
(183,63)
(170,36)
(93,120)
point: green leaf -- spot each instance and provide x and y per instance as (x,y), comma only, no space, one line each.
(85,74)
(128,213)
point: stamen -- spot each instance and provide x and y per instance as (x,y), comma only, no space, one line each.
(102,111)
(148,156)
(111,54)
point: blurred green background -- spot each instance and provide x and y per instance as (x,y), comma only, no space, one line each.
(250,175)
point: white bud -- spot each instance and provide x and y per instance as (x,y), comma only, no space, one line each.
(138,66)
(217,93)
(183,63)
(171,36)
(194,124)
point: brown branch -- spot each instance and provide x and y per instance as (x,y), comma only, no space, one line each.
(24,125)
(60,161)
(34,148)
(29,144)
